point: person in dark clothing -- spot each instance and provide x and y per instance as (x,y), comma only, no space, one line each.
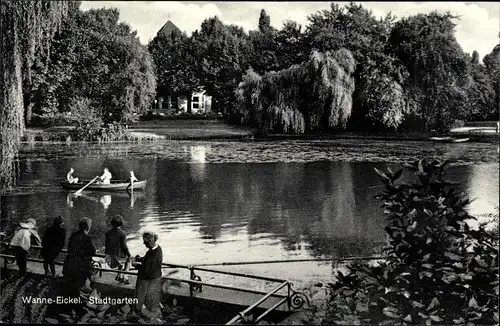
(148,286)
(78,264)
(117,253)
(52,244)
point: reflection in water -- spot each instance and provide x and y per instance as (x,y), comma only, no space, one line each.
(198,160)
(483,180)
(105,201)
(198,153)
(208,213)
(69,200)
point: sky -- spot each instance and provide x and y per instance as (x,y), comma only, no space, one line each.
(477,29)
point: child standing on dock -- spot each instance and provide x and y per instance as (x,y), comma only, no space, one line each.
(52,244)
(21,243)
(117,253)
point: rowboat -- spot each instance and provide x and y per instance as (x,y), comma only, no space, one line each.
(115,185)
(449,139)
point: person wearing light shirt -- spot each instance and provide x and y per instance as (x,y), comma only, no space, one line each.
(70,177)
(106,177)
(21,243)
(132,180)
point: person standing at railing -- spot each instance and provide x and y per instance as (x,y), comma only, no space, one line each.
(148,286)
(78,264)
(52,244)
(21,243)
(117,253)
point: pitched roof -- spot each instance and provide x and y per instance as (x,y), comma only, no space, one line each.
(168,28)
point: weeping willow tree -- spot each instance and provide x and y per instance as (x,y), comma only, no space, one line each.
(313,96)
(27,28)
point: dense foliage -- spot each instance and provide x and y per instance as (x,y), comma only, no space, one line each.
(176,64)
(439,270)
(313,96)
(436,64)
(224,52)
(26,28)
(99,62)
(410,73)
(492,64)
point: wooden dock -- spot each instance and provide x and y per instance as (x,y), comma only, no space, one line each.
(188,288)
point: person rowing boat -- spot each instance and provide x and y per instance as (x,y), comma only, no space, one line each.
(105,178)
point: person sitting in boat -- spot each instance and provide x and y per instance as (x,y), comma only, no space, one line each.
(105,178)
(70,177)
(132,179)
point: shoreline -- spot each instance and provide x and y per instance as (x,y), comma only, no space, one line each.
(218,130)
(139,136)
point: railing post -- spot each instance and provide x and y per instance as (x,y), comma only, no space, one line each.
(289,297)
(191,276)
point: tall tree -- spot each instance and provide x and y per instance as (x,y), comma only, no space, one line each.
(264,45)
(379,97)
(223,54)
(480,92)
(26,26)
(290,46)
(492,64)
(47,95)
(475,57)
(176,63)
(436,63)
(264,22)
(313,96)
(98,68)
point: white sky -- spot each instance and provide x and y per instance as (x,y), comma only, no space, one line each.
(478,27)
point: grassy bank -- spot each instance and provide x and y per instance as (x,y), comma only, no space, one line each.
(152,130)
(184,129)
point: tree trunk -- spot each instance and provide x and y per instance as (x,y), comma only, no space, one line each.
(28,112)
(189,101)
(12,119)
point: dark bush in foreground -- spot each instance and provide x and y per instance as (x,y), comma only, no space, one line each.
(438,270)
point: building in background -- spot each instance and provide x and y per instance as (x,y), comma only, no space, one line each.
(173,104)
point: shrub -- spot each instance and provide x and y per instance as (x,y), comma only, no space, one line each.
(438,271)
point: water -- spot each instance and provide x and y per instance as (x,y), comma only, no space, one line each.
(213,202)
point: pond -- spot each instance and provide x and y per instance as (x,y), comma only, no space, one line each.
(221,201)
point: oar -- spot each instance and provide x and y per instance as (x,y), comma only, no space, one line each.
(88,184)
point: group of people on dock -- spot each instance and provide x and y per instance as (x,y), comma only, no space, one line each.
(77,267)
